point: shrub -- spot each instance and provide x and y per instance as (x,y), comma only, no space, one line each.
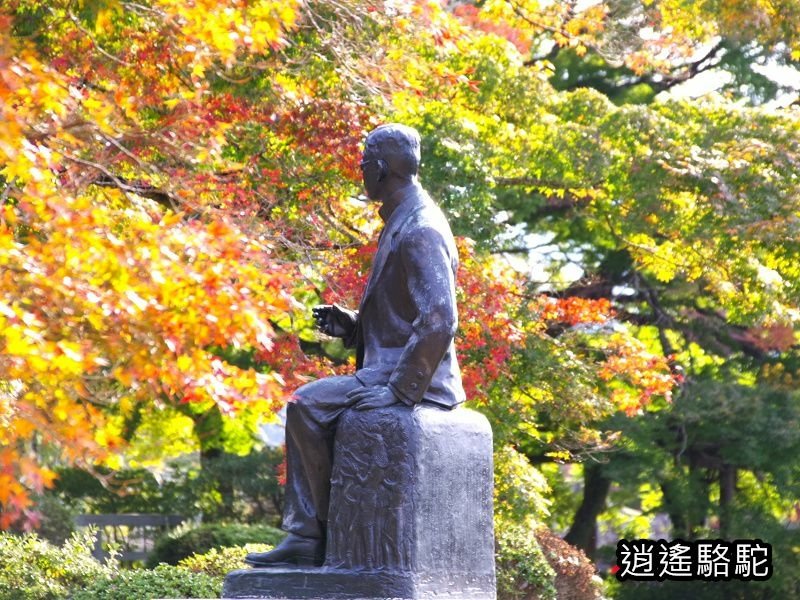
(523,572)
(576,576)
(183,542)
(219,562)
(165,581)
(33,569)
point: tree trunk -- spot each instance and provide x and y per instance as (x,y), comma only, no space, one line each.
(208,428)
(727,492)
(583,533)
(686,499)
(676,508)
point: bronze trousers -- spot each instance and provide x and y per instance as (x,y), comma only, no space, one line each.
(311,417)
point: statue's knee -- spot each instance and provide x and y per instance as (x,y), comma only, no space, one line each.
(302,397)
(320,401)
(299,403)
(296,405)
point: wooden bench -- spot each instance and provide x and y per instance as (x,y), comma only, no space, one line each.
(134,534)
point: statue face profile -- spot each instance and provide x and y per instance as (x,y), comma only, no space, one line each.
(372,174)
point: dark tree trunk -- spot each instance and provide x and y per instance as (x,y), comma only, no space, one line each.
(583,533)
(727,492)
(686,499)
(677,510)
(208,427)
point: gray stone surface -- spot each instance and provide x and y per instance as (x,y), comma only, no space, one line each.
(337,584)
(411,507)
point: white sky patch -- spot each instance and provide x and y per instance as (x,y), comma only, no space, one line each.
(538,263)
(709,82)
(701,84)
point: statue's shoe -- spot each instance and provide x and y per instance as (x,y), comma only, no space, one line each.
(295,550)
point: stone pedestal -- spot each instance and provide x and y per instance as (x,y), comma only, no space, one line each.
(410,513)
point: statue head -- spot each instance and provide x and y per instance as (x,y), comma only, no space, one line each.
(391,159)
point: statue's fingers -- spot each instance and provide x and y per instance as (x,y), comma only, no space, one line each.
(357,394)
(320,312)
(365,404)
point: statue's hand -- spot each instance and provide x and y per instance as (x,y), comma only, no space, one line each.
(377,396)
(333,320)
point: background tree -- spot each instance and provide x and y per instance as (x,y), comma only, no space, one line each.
(180,184)
(709,187)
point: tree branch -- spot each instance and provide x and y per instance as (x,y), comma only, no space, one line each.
(556,203)
(144,190)
(684,72)
(108,179)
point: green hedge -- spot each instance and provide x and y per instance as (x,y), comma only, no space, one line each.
(165,581)
(523,572)
(33,569)
(182,543)
(218,562)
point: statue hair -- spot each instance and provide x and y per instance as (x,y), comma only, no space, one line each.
(398,146)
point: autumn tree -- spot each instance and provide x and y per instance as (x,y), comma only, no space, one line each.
(680,215)
(175,181)
(152,213)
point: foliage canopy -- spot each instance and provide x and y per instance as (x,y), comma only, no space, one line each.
(180,182)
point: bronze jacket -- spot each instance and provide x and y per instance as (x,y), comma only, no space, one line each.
(408,318)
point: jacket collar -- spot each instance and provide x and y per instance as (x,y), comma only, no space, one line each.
(401,202)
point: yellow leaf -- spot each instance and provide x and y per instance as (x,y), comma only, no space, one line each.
(22,428)
(16,344)
(184,363)
(71,350)
(103,21)
(123,376)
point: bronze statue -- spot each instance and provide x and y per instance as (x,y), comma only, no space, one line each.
(403,334)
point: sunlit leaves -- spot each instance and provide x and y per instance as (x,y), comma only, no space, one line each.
(180,182)
(225,28)
(109,300)
(101,304)
(646,35)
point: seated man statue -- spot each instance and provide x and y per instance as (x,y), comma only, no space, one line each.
(403,334)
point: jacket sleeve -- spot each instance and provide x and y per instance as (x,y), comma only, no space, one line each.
(431,287)
(351,340)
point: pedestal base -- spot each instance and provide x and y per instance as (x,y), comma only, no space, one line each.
(410,513)
(338,584)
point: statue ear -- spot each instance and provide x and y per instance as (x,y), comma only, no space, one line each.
(384,169)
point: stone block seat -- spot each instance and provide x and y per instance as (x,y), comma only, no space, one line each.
(410,512)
